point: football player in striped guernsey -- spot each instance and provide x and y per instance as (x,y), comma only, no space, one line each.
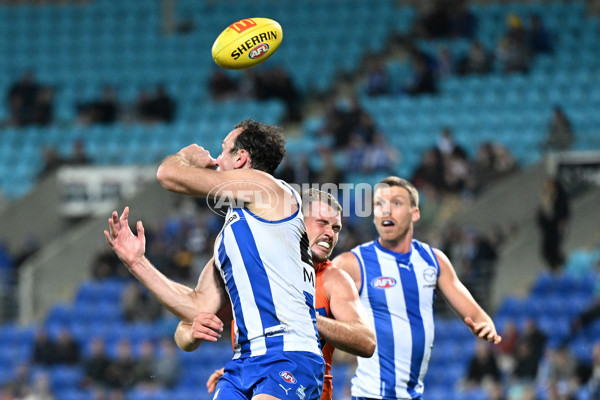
(397,278)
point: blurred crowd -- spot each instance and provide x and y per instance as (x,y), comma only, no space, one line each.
(106,375)
(524,38)
(447,176)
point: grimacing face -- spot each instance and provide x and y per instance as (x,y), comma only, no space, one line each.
(323,225)
(393,213)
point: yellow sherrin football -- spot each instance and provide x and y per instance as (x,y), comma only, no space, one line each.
(247,43)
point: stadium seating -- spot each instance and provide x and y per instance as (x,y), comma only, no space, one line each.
(80,47)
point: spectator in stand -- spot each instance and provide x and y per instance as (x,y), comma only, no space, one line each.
(78,154)
(66,349)
(105,110)
(377,78)
(146,365)
(379,156)
(526,364)
(52,161)
(43,348)
(430,171)
(106,264)
(558,372)
(19,385)
(446,143)
(423,79)
(434,21)
(222,86)
(513,50)
(355,154)
(462,22)
(138,305)
(21,99)
(40,388)
(477,60)
(157,107)
(493,161)
(510,338)
(276,82)
(539,38)
(43,107)
(121,372)
(559,136)
(530,350)
(329,171)
(343,116)
(459,176)
(168,366)
(445,65)
(95,366)
(553,217)
(297,169)
(483,366)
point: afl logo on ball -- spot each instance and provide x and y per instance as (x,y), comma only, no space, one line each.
(383,282)
(288,377)
(258,51)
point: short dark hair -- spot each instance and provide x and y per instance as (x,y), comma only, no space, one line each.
(264,143)
(410,188)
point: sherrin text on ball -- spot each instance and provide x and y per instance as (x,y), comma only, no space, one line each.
(247,43)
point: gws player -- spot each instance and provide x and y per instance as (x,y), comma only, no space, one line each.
(341,320)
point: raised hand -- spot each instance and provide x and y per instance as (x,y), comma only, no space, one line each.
(211,383)
(207,326)
(128,247)
(197,156)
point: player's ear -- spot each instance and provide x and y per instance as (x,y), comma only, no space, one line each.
(242,159)
(416,214)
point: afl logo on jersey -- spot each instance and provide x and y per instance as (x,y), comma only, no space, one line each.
(383,282)
(287,376)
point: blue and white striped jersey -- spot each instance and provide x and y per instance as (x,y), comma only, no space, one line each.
(398,292)
(268,273)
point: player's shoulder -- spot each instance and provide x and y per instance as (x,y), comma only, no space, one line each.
(345,259)
(335,278)
(334,272)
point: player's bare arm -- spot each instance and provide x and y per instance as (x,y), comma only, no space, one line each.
(191,172)
(349,331)
(463,303)
(208,296)
(349,263)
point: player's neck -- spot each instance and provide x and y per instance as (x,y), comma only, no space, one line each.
(399,245)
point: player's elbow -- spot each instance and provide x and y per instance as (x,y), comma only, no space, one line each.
(367,344)
(370,344)
(167,178)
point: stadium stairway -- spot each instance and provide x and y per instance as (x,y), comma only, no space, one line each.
(514,201)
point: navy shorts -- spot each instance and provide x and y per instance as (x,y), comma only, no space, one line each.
(293,375)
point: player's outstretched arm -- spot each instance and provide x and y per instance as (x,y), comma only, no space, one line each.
(349,330)
(463,303)
(184,302)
